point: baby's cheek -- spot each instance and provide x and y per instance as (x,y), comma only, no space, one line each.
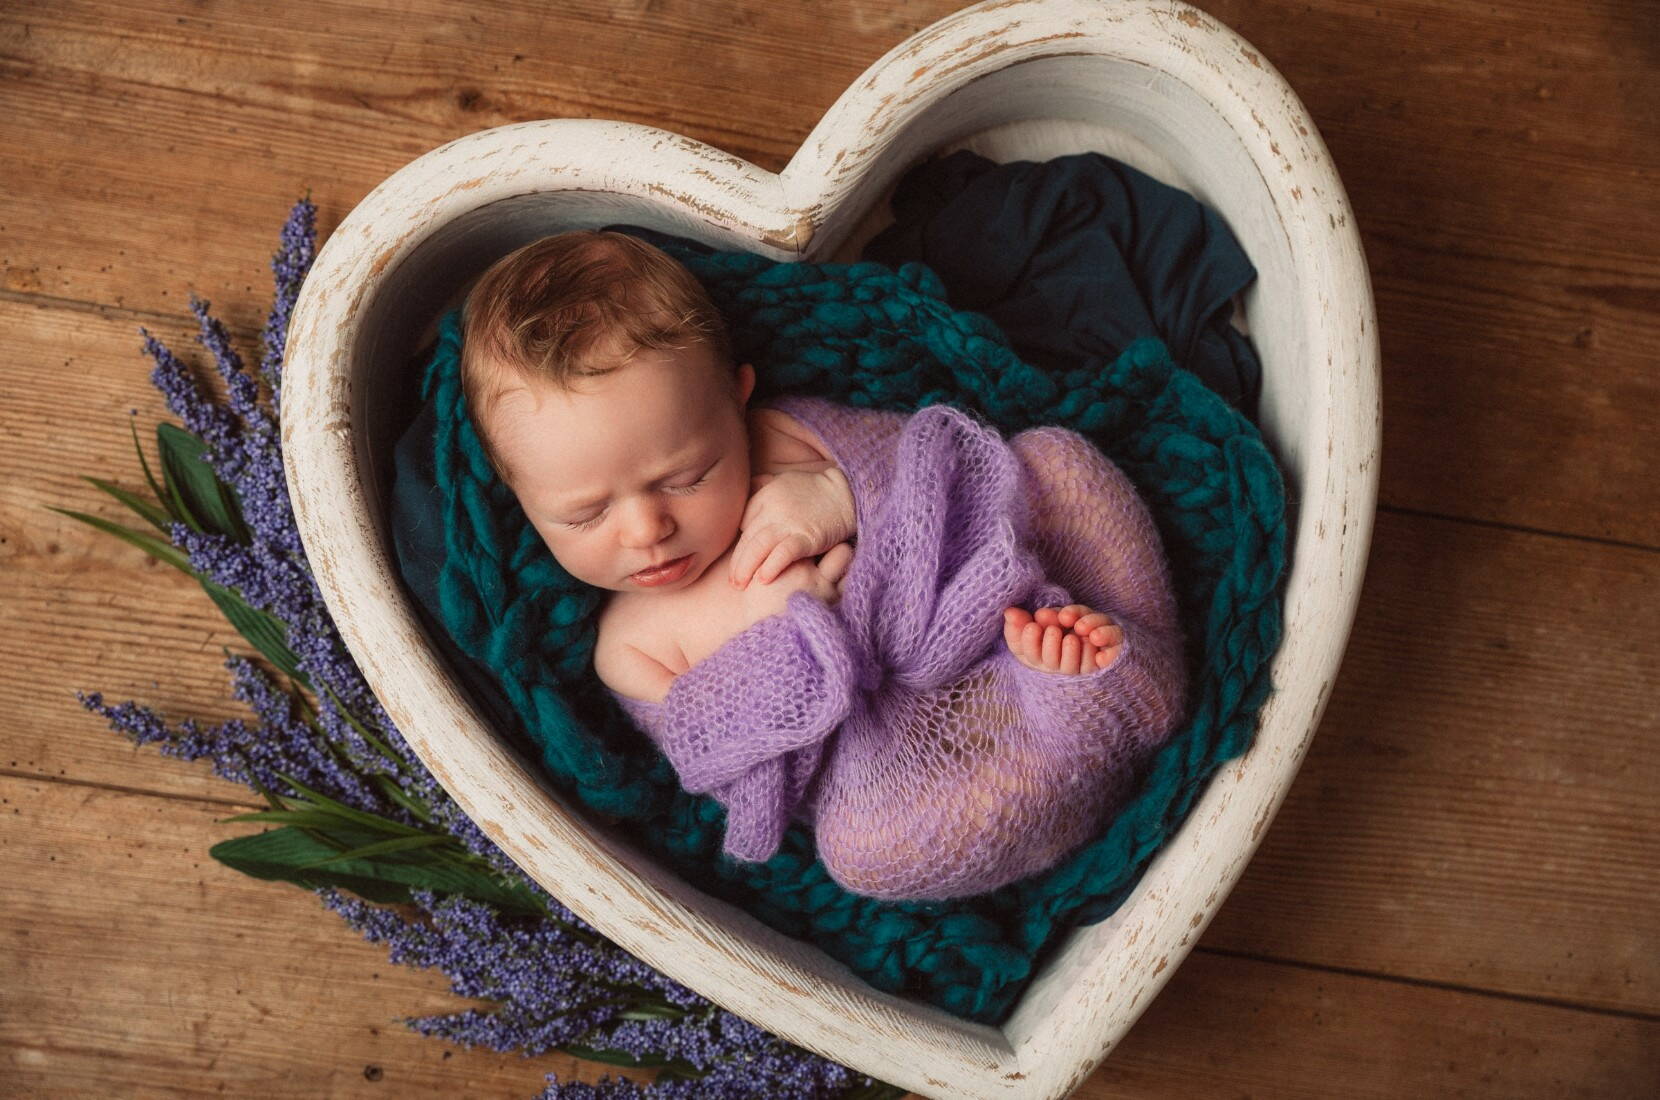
(732,514)
(568,557)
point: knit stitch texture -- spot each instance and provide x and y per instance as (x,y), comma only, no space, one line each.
(929,762)
(867,336)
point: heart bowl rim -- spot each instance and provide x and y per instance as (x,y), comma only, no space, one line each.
(1087,996)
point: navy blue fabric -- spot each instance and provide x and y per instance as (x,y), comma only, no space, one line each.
(1078,257)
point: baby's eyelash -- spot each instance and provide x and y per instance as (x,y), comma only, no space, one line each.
(583,525)
(686,488)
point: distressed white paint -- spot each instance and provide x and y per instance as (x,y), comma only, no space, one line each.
(1157,83)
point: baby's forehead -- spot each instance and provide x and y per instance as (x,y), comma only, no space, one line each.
(646,406)
(519,390)
(521,394)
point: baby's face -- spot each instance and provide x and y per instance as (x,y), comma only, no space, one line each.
(644,467)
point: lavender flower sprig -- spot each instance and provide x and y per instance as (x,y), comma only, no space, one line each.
(355,806)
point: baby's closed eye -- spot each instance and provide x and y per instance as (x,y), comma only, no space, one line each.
(679,489)
(691,487)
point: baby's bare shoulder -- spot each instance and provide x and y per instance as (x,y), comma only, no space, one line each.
(778,439)
(621,621)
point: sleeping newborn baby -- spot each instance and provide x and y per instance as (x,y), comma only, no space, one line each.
(600,380)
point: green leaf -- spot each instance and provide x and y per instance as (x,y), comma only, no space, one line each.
(150,477)
(156,516)
(402,797)
(363,731)
(207,503)
(662,1012)
(264,631)
(315,819)
(290,854)
(159,549)
(373,821)
(385,847)
(280,856)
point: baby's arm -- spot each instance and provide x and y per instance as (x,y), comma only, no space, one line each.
(801,504)
(629,670)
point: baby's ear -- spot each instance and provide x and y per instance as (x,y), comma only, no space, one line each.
(746,383)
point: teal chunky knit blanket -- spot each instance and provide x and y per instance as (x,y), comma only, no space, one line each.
(867,336)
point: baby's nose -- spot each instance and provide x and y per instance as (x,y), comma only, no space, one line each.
(647,525)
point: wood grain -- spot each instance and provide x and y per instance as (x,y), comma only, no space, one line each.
(1497,157)
(130,983)
(136,965)
(83,610)
(1478,807)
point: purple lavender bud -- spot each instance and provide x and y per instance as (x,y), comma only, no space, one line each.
(209,422)
(241,390)
(295,253)
(607,1088)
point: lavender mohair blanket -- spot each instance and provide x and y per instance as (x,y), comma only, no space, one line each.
(931,763)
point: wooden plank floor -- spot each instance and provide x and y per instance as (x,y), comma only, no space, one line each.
(1459,896)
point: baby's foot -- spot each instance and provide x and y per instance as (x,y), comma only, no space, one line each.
(1071,639)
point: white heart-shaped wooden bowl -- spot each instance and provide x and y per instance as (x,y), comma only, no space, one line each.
(1158,84)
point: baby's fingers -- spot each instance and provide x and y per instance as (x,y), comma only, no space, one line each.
(783,555)
(747,556)
(1014,627)
(834,561)
(1052,646)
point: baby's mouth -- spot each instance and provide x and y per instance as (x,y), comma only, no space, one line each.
(667,573)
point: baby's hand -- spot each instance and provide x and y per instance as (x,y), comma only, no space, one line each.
(791,515)
(821,578)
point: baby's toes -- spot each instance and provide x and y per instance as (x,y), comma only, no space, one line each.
(1031,645)
(1072,655)
(1086,625)
(1047,616)
(1110,635)
(1015,620)
(1071,613)
(1052,636)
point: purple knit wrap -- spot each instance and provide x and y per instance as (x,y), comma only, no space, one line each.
(928,760)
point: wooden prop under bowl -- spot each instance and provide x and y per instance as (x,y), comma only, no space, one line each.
(1158,84)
